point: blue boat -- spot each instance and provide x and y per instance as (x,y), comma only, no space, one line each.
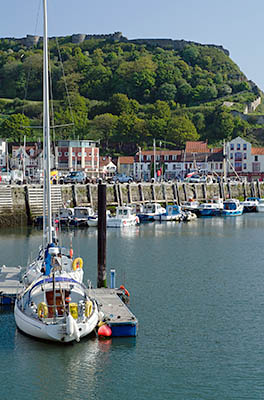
(211,209)
(232,208)
(150,210)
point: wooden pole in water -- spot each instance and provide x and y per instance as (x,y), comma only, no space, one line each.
(101,275)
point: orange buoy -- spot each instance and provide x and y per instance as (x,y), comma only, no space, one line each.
(71,252)
(122,287)
(105,330)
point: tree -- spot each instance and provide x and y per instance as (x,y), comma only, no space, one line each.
(180,130)
(103,127)
(167,92)
(15,127)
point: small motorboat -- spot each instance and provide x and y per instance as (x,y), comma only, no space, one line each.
(250,204)
(65,215)
(150,211)
(173,213)
(260,206)
(232,208)
(93,220)
(81,215)
(191,205)
(124,217)
(212,208)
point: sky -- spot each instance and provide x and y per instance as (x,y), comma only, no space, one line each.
(237,25)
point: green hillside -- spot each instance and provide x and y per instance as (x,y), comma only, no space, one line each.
(125,94)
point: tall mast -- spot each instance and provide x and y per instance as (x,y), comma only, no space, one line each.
(224,160)
(46,129)
(154,148)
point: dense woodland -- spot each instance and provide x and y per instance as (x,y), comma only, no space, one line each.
(125,94)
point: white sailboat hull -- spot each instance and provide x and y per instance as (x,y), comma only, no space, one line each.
(58,332)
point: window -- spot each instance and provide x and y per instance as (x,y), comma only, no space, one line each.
(174,157)
(66,153)
(79,154)
(238,146)
(231,156)
(231,146)
(220,166)
(245,156)
(73,154)
(244,166)
(256,158)
(166,158)
(244,146)
(59,153)
(148,158)
(174,166)
(216,165)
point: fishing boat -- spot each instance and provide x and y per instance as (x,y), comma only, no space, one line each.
(250,204)
(124,218)
(232,208)
(53,304)
(150,211)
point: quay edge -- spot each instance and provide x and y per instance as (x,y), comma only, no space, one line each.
(19,205)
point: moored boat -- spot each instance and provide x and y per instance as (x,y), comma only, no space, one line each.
(250,204)
(124,218)
(173,213)
(232,208)
(81,215)
(53,303)
(56,308)
(212,208)
(260,206)
(191,205)
(150,211)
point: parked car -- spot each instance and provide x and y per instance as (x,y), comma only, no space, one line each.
(17,176)
(5,178)
(75,177)
(193,179)
(122,178)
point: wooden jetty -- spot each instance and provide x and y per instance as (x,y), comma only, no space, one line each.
(116,314)
(9,284)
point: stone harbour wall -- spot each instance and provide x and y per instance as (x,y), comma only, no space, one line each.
(19,205)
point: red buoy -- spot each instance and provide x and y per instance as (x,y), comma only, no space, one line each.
(105,330)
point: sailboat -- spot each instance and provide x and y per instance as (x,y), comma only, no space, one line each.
(54,304)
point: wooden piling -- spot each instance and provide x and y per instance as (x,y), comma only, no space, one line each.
(141,193)
(204,191)
(101,277)
(184,191)
(258,189)
(252,189)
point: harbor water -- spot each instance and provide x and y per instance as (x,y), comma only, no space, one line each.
(197,289)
